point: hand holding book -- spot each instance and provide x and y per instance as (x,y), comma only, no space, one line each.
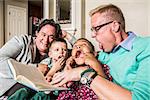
(31,77)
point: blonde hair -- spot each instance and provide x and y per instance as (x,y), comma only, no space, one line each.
(111,12)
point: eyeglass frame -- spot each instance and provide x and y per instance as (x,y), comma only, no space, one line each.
(97,28)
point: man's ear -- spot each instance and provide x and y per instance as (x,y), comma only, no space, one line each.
(115,27)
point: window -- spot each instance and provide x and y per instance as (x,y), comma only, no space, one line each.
(63,11)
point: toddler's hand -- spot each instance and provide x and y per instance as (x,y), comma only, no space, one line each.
(43,68)
(48,77)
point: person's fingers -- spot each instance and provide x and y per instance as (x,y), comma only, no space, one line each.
(66,68)
(88,54)
(55,81)
(61,61)
(64,85)
(56,74)
(61,83)
(48,78)
(57,78)
(69,67)
(46,70)
(69,84)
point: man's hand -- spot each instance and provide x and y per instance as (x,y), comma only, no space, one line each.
(61,78)
(91,60)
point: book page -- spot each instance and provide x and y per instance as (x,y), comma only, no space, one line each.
(31,75)
(28,71)
(23,80)
(38,86)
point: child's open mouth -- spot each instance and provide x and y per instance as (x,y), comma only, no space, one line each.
(79,54)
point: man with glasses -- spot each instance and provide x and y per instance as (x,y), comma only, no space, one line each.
(126,55)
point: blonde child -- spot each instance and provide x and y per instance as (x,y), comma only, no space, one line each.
(58,54)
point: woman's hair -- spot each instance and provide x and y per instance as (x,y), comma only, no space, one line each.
(89,43)
(51,22)
(111,12)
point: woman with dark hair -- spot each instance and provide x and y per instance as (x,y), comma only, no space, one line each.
(28,50)
(52,23)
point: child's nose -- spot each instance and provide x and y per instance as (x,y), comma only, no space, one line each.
(78,47)
(61,51)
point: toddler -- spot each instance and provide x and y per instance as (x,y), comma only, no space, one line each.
(57,56)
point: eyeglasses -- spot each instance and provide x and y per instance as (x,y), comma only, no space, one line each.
(97,28)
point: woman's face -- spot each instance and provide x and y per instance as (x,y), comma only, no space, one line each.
(44,37)
(80,48)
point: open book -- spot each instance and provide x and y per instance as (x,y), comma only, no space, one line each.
(30,76)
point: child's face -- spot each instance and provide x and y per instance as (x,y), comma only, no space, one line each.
(57,50)
(80,48)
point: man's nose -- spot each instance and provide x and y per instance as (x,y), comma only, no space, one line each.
(93,34)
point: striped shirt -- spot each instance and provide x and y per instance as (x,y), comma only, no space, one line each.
(21,48)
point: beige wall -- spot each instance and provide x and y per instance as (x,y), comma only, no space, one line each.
(51,7)
(1,24)
(136,14)
(78,20)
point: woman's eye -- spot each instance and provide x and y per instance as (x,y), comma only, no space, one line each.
(64,49)
(51,37)
(43,34)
